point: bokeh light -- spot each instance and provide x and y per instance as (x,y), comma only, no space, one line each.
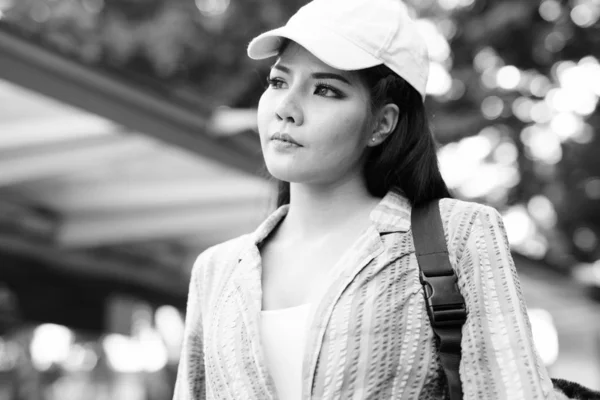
(550,10)
(492,107)
(592,188)
(440,81)
(508,77)
(454,4)
(485,59)
(585,238)
(437,45)
(212,8)
(586,14)
(545,335)
(50,344)
(170,325)
(542,210)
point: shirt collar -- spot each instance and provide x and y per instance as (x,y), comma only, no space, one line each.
(392,214)
(265,228)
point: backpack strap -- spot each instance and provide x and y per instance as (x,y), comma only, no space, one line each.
(445,305)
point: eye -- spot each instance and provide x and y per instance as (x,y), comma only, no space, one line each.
(326,90)
(275,83)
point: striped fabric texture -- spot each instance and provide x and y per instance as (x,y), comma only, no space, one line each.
(369,336)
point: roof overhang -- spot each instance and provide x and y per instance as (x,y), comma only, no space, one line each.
(129,104)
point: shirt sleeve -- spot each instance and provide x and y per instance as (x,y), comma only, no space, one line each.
(499,359)
(191,379)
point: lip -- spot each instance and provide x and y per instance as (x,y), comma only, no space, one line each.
(285,137)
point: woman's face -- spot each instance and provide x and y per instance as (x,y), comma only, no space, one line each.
(323,111)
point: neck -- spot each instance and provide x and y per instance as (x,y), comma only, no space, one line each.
(316,210)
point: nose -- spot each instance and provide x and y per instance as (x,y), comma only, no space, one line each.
(289,109)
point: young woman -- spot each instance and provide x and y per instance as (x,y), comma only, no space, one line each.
(323,300)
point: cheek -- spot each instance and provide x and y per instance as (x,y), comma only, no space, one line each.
(346,132)
(263,114)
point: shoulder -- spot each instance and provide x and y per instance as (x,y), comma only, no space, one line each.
(219,259)
(462,218)
(455,207)
(225,250)
(459,216)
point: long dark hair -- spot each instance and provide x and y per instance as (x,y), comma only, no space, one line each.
(406,161)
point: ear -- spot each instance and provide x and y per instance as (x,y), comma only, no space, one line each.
(385,122)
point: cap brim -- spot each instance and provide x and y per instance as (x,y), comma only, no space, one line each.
(332,49)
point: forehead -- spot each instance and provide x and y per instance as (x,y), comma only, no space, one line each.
(295,56)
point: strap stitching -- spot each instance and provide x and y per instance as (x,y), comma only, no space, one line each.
(433,252)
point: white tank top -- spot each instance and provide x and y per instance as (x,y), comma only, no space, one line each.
(283,334)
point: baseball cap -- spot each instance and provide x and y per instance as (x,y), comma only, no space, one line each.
(354,34)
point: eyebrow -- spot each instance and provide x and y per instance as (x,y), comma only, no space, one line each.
(316,75)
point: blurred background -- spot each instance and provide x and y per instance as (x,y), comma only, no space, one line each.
(128,145)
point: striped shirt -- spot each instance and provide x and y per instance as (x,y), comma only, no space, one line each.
(369,335)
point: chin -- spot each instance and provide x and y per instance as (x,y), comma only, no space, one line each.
(314,170)
(285,174)
(297,174)
(285,171)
